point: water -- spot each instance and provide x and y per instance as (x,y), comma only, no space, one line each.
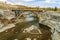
(30,19)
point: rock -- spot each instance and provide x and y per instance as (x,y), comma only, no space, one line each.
(8,14)
(52,19)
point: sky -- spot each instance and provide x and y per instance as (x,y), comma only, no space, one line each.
(35,3)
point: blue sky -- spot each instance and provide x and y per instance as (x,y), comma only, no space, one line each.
(34,3)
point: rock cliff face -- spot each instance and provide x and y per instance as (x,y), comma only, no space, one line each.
(51,19)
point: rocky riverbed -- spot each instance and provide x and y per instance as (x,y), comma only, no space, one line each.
(29,25)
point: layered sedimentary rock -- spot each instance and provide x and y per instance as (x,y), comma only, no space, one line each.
(7,14)
(51,19)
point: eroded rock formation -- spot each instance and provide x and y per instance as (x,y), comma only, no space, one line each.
(51,19)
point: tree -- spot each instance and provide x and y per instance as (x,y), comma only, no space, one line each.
(55,9)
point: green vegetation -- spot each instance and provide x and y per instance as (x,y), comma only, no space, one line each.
(55,9)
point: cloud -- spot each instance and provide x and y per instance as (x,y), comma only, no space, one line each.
(27,0)
(20,0)
(15,1)
(50,1)
(3,0)
(41,3)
